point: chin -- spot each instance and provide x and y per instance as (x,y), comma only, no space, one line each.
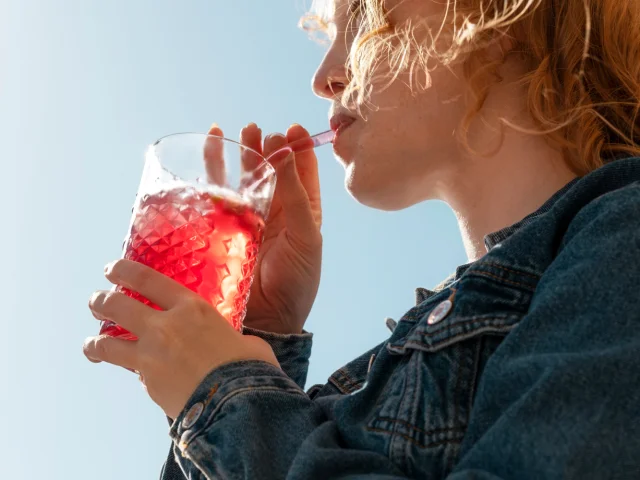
(381,195)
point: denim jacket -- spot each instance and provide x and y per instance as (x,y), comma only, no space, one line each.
(525,364)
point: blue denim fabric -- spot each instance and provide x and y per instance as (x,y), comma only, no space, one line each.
(522,365)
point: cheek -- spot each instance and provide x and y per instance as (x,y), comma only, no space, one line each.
(417,112)
(383,159)
(393,136)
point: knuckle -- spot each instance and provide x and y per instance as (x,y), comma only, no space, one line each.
(138,279)
(95,299)
(141,278)
(103,302)
(98,300)
(128,273)
(163,333)
(108,299)
(197,306)
(193,307)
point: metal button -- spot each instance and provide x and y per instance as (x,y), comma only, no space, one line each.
(440,312)
(192,415)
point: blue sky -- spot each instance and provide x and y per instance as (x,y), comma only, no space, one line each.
(85,85)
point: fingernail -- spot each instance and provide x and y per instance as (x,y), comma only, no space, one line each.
(294,125)
(251,125)
(271,136)
(214,125)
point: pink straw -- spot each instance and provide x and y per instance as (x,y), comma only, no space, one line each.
(308,143)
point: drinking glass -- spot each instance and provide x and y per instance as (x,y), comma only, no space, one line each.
(198,218)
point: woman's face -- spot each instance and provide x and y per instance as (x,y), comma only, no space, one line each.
(402,150)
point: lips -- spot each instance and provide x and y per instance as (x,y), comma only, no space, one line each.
(340,122)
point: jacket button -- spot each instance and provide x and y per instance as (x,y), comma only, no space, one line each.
(192,415)
(440,312)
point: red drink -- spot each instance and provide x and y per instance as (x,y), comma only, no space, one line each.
(206,242)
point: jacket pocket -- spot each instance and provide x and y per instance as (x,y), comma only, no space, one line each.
(422,412)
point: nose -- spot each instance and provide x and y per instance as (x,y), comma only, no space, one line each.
(330,80)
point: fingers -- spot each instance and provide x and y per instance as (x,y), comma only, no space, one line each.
(214,156)
(307,164)
(125,311)
(272,143)
(250,157)
(301,226)
(111,350)
(157,287)
(251,136)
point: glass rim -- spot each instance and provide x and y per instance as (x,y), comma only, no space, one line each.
(263,163)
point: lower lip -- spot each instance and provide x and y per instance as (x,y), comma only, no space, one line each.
(342,128)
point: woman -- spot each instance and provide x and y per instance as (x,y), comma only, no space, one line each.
(521,115)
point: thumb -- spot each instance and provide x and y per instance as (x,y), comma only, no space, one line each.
(301,226)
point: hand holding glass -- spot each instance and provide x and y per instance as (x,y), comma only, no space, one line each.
(199,217)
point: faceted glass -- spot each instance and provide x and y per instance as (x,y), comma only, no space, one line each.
(199,218)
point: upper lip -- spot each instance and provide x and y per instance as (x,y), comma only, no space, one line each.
(340,119)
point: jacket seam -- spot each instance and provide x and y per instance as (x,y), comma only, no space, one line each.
(482,322)
(415,442)
(517,272)
(435,431)
(480,273)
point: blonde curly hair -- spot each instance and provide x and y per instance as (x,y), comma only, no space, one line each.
(583,59)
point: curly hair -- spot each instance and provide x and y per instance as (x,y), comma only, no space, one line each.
(582,57)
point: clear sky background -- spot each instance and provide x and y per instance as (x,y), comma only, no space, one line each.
(85,86)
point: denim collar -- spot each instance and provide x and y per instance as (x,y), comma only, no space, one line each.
(627,167)
(493,239)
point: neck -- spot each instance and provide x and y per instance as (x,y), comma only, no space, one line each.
(503,193)
(491,193)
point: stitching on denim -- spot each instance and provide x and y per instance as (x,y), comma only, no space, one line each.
(456,391)
(349,378)
(517,272)
(415,442)
(476,371)
(349,382)
(508,282)
(404,397)
(500,328)
(418,429)
(460,337)
(469,320)
(346,389)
